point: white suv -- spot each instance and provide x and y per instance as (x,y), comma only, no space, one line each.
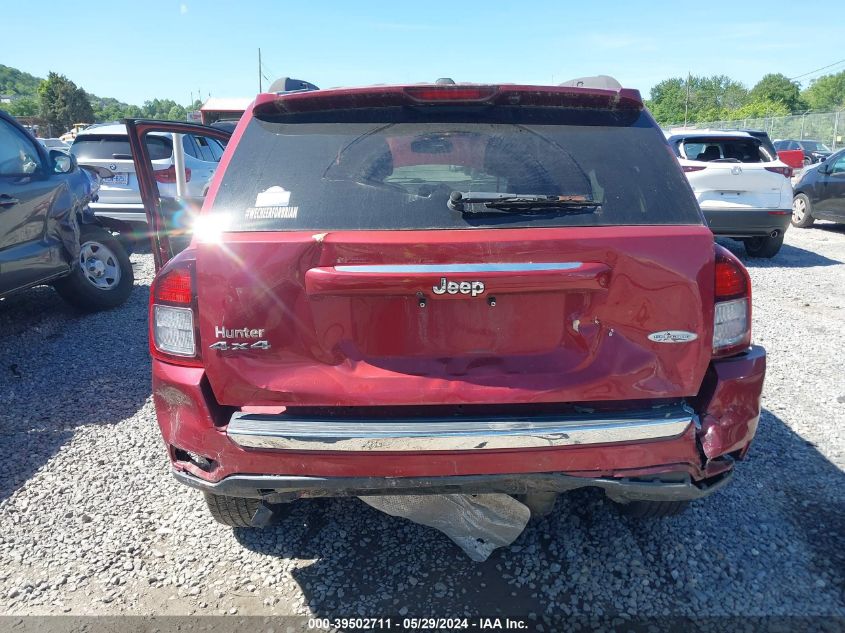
(744,191)
(120,201)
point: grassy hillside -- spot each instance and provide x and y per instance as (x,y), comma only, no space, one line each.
(16,82)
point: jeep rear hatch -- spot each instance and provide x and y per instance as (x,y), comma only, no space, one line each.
(333,270)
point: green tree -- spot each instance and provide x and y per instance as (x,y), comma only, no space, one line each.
(777,87)
(61,104)
(161,108)
(667,100)
(177,113)
(760,108)
(826,92)
(708,99)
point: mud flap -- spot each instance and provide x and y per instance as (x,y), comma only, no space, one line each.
(477,524)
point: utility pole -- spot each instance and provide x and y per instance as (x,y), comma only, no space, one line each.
(260,88)
(686,101)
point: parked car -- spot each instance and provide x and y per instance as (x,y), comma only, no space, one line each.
(48,234)
(820,193)
(449,288)
(744,190)
(120,204)
(814,151)
(55,143)
(764,139)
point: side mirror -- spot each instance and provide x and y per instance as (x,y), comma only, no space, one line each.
(824,168)
(62,163)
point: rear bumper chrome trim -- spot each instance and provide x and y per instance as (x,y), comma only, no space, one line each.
(451,269)
(283,432)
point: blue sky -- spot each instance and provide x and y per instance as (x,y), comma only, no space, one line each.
(135,51)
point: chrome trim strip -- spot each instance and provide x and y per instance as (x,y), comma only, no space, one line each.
(444,269)
(459,434)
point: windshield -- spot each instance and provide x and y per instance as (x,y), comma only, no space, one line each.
(393,169)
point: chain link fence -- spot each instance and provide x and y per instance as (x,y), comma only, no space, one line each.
(826,127)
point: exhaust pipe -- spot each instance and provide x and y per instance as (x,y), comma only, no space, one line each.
(774,233)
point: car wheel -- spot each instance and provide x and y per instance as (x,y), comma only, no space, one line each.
(102,278)
(243,512)
(802,211)
(807,161)
(766,247)
(652,509)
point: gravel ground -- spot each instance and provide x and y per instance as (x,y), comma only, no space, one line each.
(93,522)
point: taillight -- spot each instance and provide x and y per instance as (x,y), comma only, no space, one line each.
(175,286)
(174,335)
(783,171)
(688,168)
(169,175)
(732,308)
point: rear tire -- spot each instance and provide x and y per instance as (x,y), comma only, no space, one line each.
(652,509)
(802,211)
(766,247)
(241,512)
(102,279)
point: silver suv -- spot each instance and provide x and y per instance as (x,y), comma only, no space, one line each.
(120,201)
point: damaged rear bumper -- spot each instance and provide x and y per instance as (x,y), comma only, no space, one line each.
(624,489)
(678,452)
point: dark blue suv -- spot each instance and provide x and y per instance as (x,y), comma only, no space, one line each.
(47,233)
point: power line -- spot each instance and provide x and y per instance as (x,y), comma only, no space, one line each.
(817,70)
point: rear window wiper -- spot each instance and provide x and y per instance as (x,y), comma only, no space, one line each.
(513,202)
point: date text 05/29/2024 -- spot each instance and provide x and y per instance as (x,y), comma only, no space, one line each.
(418,624)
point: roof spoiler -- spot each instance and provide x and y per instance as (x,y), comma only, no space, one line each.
(442,94)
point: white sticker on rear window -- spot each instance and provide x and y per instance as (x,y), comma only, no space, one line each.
(275,213)
(273,197)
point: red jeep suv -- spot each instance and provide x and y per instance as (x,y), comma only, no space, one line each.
(450,289)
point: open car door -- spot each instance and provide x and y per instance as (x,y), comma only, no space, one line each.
(171,200)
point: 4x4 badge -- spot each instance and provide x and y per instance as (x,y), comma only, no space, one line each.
(224,346)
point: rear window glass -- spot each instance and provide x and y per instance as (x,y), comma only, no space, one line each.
(395,168)
(814,146)
(116,147)
(707,149)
